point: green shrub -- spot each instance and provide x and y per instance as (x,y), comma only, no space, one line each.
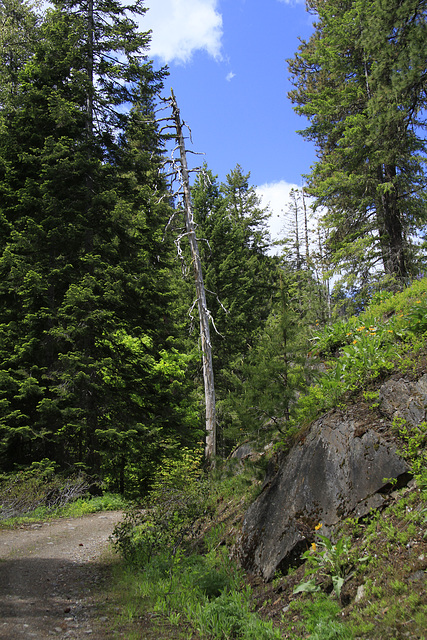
(38,488)
(168,515)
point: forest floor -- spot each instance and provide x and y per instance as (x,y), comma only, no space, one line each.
(52,578)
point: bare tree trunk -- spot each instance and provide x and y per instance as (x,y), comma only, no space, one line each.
(324,284)
(89,63)
(307,242)
(294,199)
(208,377)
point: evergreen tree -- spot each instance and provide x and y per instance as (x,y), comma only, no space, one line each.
(359,81)
(275,370)
(304,265)
(17,39)
(239,274)
(242,206)
(89,372)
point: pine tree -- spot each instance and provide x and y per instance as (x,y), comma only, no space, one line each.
(17,39)
(359,81)
(89,371)
(239,275)
(275,370)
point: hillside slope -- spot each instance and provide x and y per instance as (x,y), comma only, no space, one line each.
(365,576)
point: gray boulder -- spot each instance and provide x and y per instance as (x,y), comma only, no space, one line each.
(340,468)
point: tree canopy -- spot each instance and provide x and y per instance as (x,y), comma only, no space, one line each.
(360,81)
(90,370)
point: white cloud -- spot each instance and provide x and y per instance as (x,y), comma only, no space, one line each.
(275,196)
(181,27)
(230,76)
(293,2)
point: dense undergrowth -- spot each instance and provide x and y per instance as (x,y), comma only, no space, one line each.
(352,353)
(177,577)
(178,568)
(38,493)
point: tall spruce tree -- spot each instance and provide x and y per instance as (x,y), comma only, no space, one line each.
(275,369)
(17,38)
(88,372)
(360,81)
(239,275)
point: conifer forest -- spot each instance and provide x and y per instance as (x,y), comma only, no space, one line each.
(102,367)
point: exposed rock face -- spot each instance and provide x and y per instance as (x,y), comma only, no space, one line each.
(243,451)
(340,469)
(405,400)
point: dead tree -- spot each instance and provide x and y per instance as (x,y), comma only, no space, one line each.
(204,315)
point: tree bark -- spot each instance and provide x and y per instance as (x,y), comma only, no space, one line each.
(392,239)
(208,377)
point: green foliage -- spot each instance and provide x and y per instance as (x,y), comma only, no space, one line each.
(239,279)
(176,501)
(170,577)
(417,316)
(229,616)
(275,370)
(92,369)
(17,43)
(318,618)
(326,558)
(369,353)
(331,630)
(82,506)
(391,541)
(363,348)
(231,478)
(334,336)
(414,441)
(25,491)
(357,80)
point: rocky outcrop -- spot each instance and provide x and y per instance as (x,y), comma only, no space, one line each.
(341,468)
(405,400)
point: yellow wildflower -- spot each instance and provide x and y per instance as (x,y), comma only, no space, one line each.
(361,328)
(354,341)
(313,546)
(318,526)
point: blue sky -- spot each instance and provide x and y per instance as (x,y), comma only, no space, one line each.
(227,64)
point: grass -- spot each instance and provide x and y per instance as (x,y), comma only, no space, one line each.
(177,574)
(186,596)
(194,591)
(317,617)
(39,493)
(176,579)
(354,353)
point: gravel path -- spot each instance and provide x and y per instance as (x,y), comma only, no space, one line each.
(49,575)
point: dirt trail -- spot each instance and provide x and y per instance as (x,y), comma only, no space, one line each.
(49,574)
